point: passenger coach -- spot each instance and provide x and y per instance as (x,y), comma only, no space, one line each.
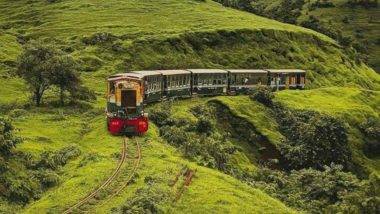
(209,81)
(241,81)
(286,78)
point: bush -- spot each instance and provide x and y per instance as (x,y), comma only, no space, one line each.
(48,178)
(161,114)
(312,139)
(16,113)
(8,140)
(209,150)
(146,200)
(204,126)
(264,95)
(54,160)
(330,190)
(371,129)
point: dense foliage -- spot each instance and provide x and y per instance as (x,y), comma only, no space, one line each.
(328,190)
(146,199)
(263,95)
(301,12)
(313,139)
(8,140)
(371,130)
(197,140)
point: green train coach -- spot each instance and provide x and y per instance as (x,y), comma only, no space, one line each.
(128,93)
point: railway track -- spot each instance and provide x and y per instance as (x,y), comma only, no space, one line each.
(110,180)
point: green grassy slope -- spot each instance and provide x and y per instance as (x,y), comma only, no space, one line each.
(360,23)
(158,160)
(352,105)
(363,25)
(159,35)
(131,18)
(13,89)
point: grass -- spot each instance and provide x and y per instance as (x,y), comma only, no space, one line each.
(159,159)
(9,46)
(70,19)
(359,21)
(172,34)
(256,114)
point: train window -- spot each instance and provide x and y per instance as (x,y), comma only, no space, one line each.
(112,87)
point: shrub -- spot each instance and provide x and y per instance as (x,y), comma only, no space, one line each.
(204,126)
(54,160)
(16,113)
(312,139)
(329,190)
(8,140)
(371,129)
(146,200)
(264,95)
(161,114)
(48,178)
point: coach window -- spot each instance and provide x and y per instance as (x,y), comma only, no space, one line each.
(173,81)
(168,79)
(112,87)
(183,81)
(233,79)
(201,80)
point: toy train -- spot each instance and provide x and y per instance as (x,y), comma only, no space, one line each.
(128,93)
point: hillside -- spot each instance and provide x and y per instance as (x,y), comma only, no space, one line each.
(356,23)
(106,37)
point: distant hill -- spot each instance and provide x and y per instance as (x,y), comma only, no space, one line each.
(356,22)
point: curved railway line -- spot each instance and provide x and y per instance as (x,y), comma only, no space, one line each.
(112,178)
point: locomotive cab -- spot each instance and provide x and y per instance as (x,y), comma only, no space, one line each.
(125,114)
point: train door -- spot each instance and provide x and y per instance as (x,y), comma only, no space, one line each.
(128,101)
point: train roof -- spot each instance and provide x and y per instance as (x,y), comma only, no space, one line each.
(147,73)
(124,75)
(242,71)
(275,71)
(173,72)
(207,71)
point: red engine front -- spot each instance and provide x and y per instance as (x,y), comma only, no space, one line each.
(137,125)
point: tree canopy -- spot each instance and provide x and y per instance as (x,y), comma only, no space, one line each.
(44,65)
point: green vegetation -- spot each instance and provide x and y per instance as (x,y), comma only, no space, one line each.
(351,23)
(130,19)
(228,140)
(351,105)
(44,66)
(329,190)
(24,177)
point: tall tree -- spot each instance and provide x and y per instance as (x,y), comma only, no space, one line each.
(63,75)
(34,65)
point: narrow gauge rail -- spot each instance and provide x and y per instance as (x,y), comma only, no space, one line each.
(128,93)
(104,184)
